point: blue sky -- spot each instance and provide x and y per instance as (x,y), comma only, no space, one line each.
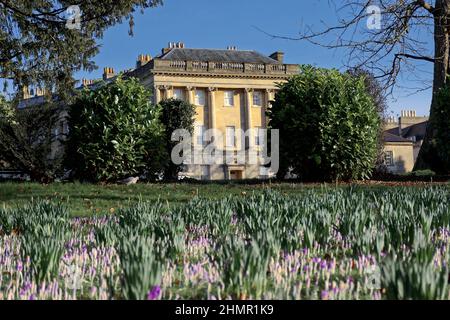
(218,24)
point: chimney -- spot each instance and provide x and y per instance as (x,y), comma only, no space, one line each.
(26,93)
(142,60)
(408,114)
(108,73)
(279,56)
(39,92)
(87,82)
(173,45)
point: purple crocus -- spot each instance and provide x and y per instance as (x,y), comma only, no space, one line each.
(154,293)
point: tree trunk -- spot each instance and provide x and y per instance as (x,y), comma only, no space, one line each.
(428,157)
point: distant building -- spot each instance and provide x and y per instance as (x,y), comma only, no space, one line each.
(403,140)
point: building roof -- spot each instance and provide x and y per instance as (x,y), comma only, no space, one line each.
(205,55)
(416,130)
(389,137)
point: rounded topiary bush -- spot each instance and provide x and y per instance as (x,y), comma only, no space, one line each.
(115,133)
(328,126)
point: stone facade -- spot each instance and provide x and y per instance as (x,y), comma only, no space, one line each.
(234,92)
(403,139)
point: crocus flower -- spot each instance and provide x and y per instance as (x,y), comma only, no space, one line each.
(154,293)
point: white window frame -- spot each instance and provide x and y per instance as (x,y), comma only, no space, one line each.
(257,99)
(390,163)
(228,137)
(259,137)
(200,135)
(227,100)
(197,99)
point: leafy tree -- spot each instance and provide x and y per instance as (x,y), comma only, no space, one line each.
(441,123)
(6,110)
(40,46)
(176,114)
(374,89)
(27,138)
(391,37)
(377,92)
(115,133)
(37,48)
(328,125)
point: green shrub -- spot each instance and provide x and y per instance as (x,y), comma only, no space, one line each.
(423,173)
(115,133)
(26,140)
(328,126)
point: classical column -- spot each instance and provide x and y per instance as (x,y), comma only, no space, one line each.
(211,107)
(157,94)
(248,111)
(189,91)
(167,92)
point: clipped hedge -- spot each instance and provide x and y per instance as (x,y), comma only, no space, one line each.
(328,126)
(115,133)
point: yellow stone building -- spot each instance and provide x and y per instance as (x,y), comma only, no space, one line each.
(403,138)
(231,90)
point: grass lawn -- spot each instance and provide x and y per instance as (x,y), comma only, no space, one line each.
(89,199)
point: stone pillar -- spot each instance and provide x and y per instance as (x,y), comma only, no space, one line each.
(167,92)
(248,115)
(157,94)
(211,107)
(189,92)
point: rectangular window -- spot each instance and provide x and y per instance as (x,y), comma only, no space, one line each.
(228,98)
(231,137)
(259,136)
(389,158)
(178,93)
(257,98)
(200,97)
(200,135)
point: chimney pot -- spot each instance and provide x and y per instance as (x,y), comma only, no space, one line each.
(142,60)
(108,73)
